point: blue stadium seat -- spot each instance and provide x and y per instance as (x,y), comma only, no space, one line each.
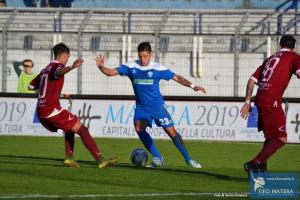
(39,3)
(155,4)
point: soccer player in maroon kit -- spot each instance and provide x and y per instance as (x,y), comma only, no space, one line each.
(272,78)
(52,116)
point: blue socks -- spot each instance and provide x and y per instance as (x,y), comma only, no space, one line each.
(178,142)
(149,144)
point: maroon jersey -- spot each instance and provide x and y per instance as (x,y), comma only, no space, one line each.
(50,87)
(273,77)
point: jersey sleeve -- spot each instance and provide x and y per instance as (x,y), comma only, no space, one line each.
(257,74)
(54,70)
(123,70)
(166,74)
(34,84)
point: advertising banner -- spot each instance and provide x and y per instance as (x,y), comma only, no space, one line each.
(193,120)
(18,117)
(215,121)
(293,122)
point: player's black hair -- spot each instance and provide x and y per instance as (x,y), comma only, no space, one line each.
(287,41)
(27,60)
(144,46)
(60,48)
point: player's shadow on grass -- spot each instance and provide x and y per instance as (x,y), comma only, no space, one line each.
(29,160)
(44,174)
(192,171)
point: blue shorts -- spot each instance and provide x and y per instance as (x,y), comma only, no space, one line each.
(160,115)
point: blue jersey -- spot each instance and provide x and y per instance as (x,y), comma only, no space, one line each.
(145,81)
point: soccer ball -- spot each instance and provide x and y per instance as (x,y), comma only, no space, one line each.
(139,157)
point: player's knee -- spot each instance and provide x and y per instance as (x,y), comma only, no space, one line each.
(139,129)
(76,127)
(283,140)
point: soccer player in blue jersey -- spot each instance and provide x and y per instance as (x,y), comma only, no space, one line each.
(145,76)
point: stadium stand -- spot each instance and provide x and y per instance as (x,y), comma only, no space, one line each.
(215,48)
(153,4)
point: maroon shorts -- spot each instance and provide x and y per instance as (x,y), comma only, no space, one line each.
(64,120)
(272,121)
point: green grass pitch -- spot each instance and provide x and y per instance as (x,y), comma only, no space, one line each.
(34,166)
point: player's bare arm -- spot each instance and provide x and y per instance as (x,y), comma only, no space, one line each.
(100,62)
(34,84)
(77,63)
(247,107)
(187,83)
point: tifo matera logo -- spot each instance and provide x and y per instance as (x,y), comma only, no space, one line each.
(259,182)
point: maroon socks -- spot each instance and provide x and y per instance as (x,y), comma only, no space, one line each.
(89,142)
(69,144)
(268,150)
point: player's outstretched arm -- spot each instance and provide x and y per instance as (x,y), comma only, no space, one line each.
(247,107)
(77,63)
(187,83)
(34,83)
(100,62)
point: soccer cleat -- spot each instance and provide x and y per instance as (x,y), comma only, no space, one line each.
(71,163)
(194,164)
(264,167)
(106,163)
(251,168)
(156,162)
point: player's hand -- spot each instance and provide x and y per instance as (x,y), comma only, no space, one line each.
(77,63)
(245,110)
(100,60)
(199,88)
(65,96)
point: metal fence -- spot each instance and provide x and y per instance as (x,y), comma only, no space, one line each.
(216,49)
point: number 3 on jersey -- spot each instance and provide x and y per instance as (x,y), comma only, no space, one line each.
(165,121)
(269,69)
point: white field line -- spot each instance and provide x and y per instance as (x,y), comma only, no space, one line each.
(31,196)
